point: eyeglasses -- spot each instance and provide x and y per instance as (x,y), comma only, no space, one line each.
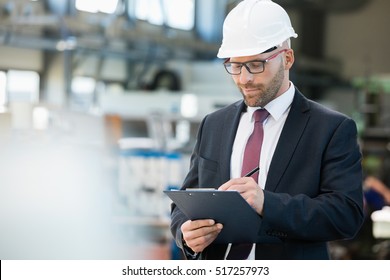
(253,66)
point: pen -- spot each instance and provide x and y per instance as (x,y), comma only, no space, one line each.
(250,173)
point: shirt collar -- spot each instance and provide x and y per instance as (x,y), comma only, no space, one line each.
(278,106)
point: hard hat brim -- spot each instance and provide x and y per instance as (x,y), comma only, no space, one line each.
(224,53)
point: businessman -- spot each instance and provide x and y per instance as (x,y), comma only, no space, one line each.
(308,190)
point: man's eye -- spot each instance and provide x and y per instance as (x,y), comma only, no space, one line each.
(235,66)
(254,64)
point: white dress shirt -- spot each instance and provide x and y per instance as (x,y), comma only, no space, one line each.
(273,125)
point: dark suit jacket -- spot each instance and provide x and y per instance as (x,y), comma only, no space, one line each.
(313,192)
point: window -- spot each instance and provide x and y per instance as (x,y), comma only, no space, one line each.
(3,96)
(83,89)
(94,6)
(23,86)
(178,14)
(18,86)
(83,85)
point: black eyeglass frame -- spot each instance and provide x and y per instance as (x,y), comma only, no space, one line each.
(227,62)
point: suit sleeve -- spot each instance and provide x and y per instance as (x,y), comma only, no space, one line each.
(191,181)
(336,211)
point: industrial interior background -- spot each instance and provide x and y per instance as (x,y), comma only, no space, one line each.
(100,102)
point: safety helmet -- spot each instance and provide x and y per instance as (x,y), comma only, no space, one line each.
(253,27)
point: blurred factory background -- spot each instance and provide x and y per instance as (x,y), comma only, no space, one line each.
(100,102)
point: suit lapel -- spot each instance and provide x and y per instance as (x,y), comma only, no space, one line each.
(230,125)
(293,128)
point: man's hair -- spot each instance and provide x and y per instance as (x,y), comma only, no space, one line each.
(288,41)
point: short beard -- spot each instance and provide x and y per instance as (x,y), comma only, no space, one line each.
(267,94)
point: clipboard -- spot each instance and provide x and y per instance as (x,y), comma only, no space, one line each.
(241,223)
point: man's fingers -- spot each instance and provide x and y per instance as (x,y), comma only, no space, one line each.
(236,184)
(198,232)
(192,225)
(198,243)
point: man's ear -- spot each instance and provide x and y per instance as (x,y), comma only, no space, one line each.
(289,59)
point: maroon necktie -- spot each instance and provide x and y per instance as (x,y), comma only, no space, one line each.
(250,161)
(253,146)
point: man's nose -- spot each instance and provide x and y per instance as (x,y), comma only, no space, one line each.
(245,76)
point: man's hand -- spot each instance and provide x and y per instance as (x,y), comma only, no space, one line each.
(200,233)
(249,190)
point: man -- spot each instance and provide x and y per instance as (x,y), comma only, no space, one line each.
(309,187)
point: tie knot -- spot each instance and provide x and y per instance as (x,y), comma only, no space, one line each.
(260,115)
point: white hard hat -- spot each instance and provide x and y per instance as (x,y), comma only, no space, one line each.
(253,27)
